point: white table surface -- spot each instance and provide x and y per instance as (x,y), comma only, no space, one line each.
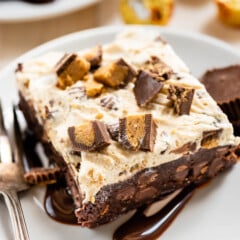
(189,15)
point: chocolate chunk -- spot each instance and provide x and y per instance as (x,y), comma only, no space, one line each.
(94,56)
(158,69)
(181,98)
(113,130)
(146,193)
(199,169)
(70,69)
(89,137)
(116,74)
(185,148)
(210,138)
(126,193)
(109,102)
(137,132)
(146,88)
(181,173)
(42,175)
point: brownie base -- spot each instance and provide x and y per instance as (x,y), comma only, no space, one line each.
(145,186)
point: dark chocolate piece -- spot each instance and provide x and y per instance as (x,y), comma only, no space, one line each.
(90,136)
(113,130)
(116,74)
(181,98)
(158,69)
(137,132)
(94,56)
(146,88)
(210,138)
(70,69)
(41,175)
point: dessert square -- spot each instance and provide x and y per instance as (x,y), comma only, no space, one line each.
(126,122)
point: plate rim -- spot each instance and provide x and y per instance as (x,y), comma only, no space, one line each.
(42,16)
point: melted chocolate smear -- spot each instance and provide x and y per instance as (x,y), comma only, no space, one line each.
(58,203)
(140,227)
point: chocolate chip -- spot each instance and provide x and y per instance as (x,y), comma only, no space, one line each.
(185,148)
(126,193)
(90,136)
(181,173)
(137,132)
(216,166)
(146,88)
(70,69)
(116,74)
(181,98)
(147,177)
(145,194)
(210,138)
(198,168)
(109,102)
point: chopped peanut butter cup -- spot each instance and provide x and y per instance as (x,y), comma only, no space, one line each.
(93,88)
(116,74)
(181,98)
(158,69)
(89,137)
(137,132)
(210,138)
(70,69)
(146,88)
(94,56)
(224,86)
(41,175)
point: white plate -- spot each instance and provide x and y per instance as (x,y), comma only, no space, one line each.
(213,212)
(17,11)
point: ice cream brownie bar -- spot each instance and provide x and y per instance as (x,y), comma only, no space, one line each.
(126,122)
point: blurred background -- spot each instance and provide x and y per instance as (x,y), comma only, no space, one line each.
(24,26)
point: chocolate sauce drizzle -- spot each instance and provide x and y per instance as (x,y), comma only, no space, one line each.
(58,203)
(140,227)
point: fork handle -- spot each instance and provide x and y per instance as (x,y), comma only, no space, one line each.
(16,214)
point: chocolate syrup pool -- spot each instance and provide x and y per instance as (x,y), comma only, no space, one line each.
(59,206)
(58,203)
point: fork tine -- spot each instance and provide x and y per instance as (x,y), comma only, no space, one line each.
(2,127)
(19,155)
(5,145)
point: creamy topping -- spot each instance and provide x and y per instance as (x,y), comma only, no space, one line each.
(70,107)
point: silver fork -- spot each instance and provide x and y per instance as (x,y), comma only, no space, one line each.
(11,176)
